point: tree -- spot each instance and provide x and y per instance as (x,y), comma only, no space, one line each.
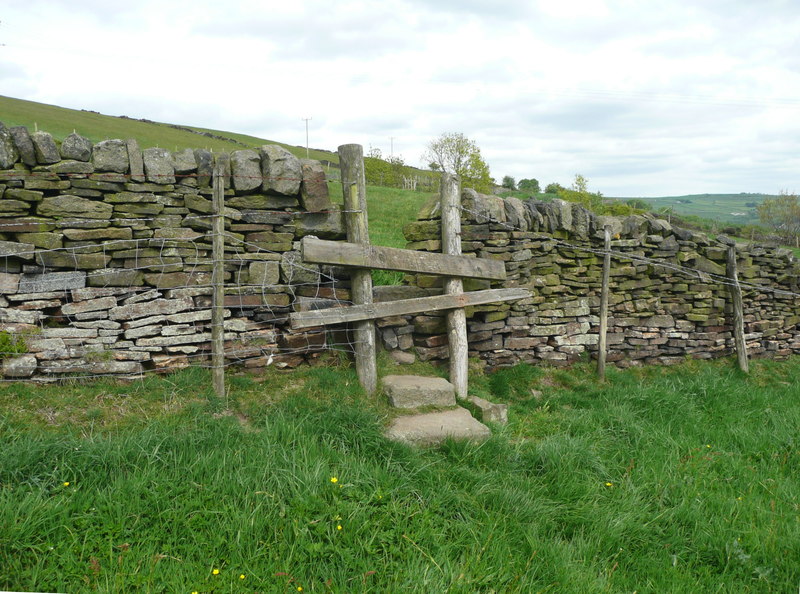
(509,182)
(579,192)
(580,184)
(553,188)
(529,185)
(385,172)
(782,215)
(457,154)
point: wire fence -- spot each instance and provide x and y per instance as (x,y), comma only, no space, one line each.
(129,293)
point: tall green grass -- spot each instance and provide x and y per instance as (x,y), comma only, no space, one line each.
(660,480)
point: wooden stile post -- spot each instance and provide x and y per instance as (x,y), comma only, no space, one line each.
(602,343)
(354,190)
(450,201)
(217,281)
(738,310)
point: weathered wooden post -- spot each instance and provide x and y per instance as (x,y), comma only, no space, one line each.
(738,310)
(602,342)
(450,202)
(217,282)
(354,191)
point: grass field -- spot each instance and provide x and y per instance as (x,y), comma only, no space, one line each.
(388,210)
(662,480)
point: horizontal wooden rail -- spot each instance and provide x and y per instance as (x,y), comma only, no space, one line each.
(355,313)
(342,253)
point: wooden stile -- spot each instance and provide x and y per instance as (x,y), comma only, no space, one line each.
(358,253)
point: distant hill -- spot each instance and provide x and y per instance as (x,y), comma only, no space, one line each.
(60,122)
(724,208)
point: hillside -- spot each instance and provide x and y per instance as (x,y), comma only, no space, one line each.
(726,208)
(60,122)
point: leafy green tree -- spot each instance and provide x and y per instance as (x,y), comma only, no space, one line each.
(580,184)
(529,185)
(509,182)
(455,153)
(638,204)
(579,192)
(384,172)
(553,188)
(782,215)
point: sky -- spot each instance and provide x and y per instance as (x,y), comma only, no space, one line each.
(642,98)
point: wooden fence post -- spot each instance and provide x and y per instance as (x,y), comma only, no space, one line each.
(354,191)
(450,201)
(738,310)
(602,342)
(217,282)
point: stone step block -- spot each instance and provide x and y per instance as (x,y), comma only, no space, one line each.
(489,411)
(430,429)
(414,391)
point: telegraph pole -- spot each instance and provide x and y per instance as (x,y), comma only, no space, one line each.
(391,147)
(306,121)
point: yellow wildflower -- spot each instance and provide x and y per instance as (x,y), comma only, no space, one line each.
(66,483)
(338,526)
(609,484)
(215,571)
(334,480)
(241,576)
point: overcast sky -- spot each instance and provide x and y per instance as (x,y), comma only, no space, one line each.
(642,98)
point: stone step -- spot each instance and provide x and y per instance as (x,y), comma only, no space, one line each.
(429,429)
(416,391)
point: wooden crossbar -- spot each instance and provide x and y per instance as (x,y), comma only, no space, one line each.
(355,313)
(357,255)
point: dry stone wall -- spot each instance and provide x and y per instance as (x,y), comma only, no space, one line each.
(106,269)
(668,297)
(106,255)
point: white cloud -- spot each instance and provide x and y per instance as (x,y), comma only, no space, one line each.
(642,99)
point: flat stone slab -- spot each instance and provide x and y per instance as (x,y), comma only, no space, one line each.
(433,428)
(415,391)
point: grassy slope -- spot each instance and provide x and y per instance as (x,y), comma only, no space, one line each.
(715,207)
(60,122)
(661,480)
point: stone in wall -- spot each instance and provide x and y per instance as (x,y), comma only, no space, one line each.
(205,167)
(246,170)
(314,188)
(45,148)
(64,205)
(8,151)
(24,145)
(158,166)
(282,171)
(111,155)
(135,161)
(76,148)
